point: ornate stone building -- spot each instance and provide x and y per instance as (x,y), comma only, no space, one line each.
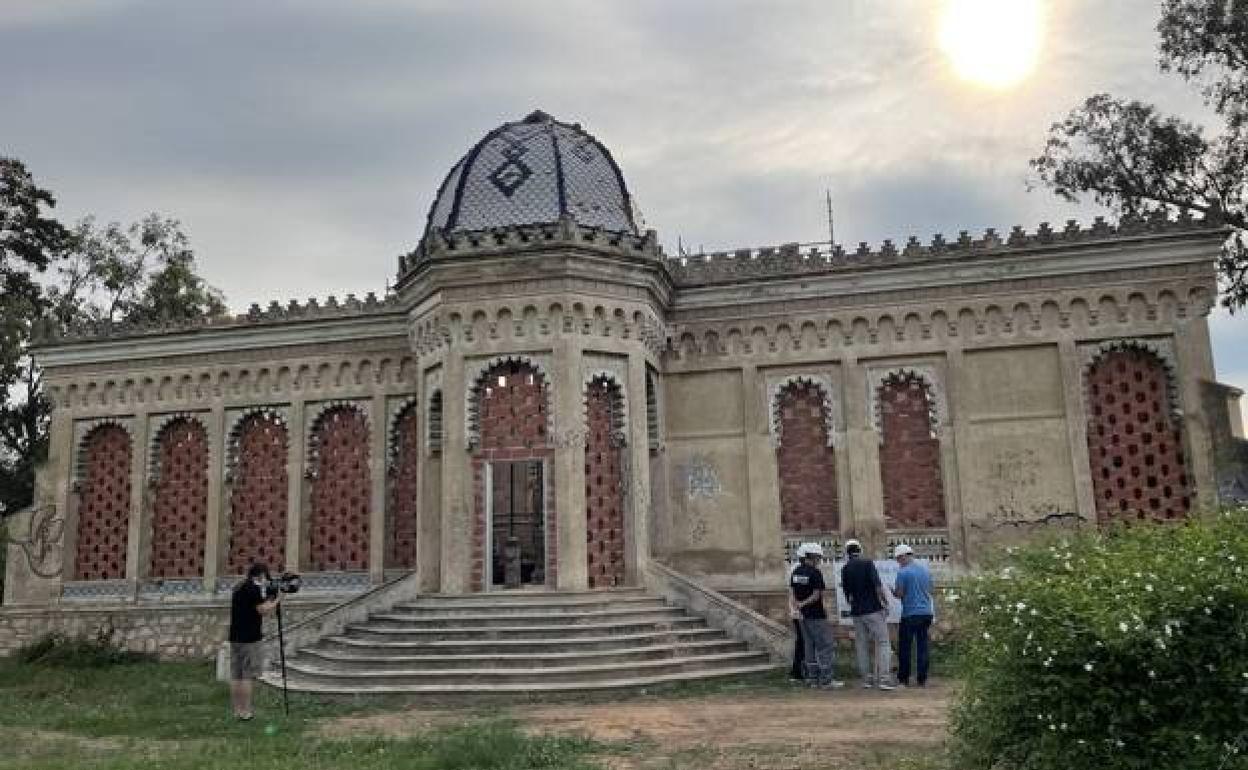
(543,376)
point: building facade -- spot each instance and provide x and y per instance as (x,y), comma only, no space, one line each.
(546,398)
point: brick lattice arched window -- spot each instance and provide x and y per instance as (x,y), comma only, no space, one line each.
(258,494)
(402,491)
(340,492)
(1135,445)
(914,495)
(604,484)
(805,461)
(179,496)
(104,505)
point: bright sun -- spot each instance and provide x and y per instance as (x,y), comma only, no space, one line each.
(994,43)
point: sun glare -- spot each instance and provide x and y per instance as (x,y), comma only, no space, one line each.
(993,43)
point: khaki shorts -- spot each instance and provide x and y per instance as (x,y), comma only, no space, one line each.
(246,660)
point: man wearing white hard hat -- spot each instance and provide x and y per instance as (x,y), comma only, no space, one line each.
(914,587)
(868,607)
(798,671)
(807,588)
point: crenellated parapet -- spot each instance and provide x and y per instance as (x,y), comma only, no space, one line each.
(797,260)
(565,232)
(47,332)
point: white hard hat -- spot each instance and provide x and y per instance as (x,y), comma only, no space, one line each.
(902,550)
(853,545)
(812,549)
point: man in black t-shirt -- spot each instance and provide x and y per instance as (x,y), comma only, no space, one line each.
(868,606)
(807,587)
(248,605)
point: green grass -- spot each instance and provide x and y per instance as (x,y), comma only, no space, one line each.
(175,716)
(79,705)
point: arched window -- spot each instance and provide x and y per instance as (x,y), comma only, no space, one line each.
(910,468)
(604,483)
(340,491)
(805,461)
(179,500)
(259,492)
(1135,444)
(402,490)
(104,504)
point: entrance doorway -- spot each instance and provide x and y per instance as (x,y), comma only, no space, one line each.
(517,524)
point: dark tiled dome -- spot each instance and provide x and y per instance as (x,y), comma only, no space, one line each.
(533,171)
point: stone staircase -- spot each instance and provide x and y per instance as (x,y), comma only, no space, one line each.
(519,642)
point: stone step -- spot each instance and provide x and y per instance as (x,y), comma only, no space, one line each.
(407,633)
(506,607)
(519,646)
(369,659)
(490,677)
(418,621)
(474,690)
(534,596)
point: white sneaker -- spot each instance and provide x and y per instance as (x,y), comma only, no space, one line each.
(835,684)
(868,684)
(883,686)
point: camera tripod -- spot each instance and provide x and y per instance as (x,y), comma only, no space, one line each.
(281,654)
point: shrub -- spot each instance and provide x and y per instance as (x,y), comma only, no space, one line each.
(1119,649)
(57,649)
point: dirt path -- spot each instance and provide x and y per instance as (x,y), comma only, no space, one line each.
(807,729)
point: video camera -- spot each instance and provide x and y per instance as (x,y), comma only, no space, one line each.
(287,583)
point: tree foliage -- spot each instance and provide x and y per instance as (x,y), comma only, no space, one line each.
(143,273)
(29,241)
(1130,157)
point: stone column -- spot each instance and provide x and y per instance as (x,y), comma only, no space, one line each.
(866,520)
(458,510)
(570,465)
(429,505)
(215,514)
(378,458)
(137,536)
(955,459)
(637,523)
(1191,352)
(1077,429)
(61,462)
(762,480)
(294,488)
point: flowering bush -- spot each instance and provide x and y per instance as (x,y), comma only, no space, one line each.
(1118,649)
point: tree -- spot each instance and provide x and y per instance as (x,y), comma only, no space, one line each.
(143,274)
(29,241)
(1135,160)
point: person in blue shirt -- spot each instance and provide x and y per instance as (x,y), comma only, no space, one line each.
(914,588)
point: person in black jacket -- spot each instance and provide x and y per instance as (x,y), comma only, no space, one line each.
(248,605)
(798,672)
(868,606)
(807,586)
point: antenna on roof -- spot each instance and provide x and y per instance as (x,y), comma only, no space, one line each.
(831,225)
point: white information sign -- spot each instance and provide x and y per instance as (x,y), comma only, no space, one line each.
(888,576)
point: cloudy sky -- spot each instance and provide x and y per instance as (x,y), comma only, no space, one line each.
(301,142)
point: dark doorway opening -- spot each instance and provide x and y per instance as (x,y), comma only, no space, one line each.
(518,524)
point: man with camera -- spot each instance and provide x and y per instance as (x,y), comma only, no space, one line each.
(253,598)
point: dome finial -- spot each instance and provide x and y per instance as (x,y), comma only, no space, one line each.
(538,116)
